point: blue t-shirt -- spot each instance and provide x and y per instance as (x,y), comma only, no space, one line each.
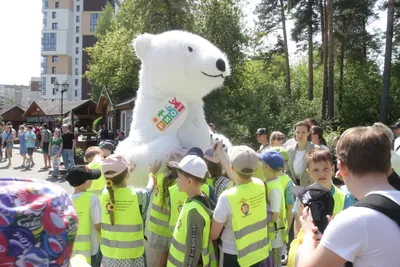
(30,138)
(348,201)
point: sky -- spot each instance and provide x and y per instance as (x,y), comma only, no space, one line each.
(20,34)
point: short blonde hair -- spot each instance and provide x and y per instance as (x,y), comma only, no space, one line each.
(276,134)
(384,129)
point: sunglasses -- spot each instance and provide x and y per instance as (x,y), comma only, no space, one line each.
(279,138)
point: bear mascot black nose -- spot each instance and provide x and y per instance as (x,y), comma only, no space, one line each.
(221,65)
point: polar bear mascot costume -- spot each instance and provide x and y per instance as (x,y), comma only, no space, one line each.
(178,69)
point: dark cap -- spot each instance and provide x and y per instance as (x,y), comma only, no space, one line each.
(261,131)
(395,126)
(315,193)
(107,145)
(195,151)
(79,174)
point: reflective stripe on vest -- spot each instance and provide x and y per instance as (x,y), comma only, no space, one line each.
(249,221)
(177,250)
(124,239)
(177,199)
(159,212)
(281,226)
(82,244)
(97,184)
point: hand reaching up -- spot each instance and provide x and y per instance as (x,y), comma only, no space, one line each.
(155,167)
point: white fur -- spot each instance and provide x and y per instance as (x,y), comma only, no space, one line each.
(170,70)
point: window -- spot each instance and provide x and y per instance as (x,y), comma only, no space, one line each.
(54,91)
(77,50)
(53,70)
(57,4)
(76,93)
(93,21)
(49,41)
(44,21)
(54,26)
(76,82)
(123,121)
(43,65)
(78,8)
(76,61)
(77,40)
(54,59)
(54,15)
(110,124)
(77,29)
(43,89)
(76,71)
(78,19)
(45,4)
(53,80)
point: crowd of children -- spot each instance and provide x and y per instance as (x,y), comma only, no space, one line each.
(208,207)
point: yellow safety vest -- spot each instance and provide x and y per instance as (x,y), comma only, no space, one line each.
(82,243)
(339,198)
(98,184)
(283,224)
(249,221)
(285,179)
(211,182)
(159,213)
(259,172)
(179,243)
(124,239)
(177,199)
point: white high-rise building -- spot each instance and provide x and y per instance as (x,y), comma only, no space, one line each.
(68,28)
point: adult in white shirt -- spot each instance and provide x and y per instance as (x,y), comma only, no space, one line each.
(359,235)
(396,130)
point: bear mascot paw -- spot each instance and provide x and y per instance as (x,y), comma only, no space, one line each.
(177,70)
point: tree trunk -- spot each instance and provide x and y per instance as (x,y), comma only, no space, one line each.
(388,62)
(310,52)
(341,62)
(324,38)
(364,52)
(331,109)
(285,44)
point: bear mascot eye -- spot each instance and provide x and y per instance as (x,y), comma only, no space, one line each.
(190,49)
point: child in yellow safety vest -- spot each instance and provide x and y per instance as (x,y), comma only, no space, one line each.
(123,214)
(88,208)
(273,164)
(94,156)
(320,167)
(241,213)
(191,244)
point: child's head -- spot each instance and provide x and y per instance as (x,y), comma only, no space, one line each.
(57,133)
(276,139)
(92,152)
(213,166)
(320,166)
(192,172)
(363,151)
(29,128)
(81,177)
(21,128)
(243,160)
(107,148)
(273,164)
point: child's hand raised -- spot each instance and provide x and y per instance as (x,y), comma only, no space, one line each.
(154,168)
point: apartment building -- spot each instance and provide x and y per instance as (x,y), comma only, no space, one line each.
(19,95)
(68,28)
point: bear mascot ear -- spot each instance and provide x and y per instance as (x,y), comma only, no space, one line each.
(141,43)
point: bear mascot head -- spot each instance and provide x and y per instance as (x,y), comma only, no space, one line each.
(177,70)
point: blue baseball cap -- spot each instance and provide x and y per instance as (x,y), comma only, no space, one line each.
(272,158)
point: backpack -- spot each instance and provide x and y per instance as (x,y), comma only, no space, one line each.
(382,204)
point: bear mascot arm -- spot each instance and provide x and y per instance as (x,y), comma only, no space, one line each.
(177,70)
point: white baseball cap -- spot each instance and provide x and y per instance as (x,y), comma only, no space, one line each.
(193,165)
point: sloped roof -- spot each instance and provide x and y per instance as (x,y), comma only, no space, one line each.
(11,109)
(49,107)
(130,100)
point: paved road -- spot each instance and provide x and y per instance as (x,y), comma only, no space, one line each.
(36,172)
